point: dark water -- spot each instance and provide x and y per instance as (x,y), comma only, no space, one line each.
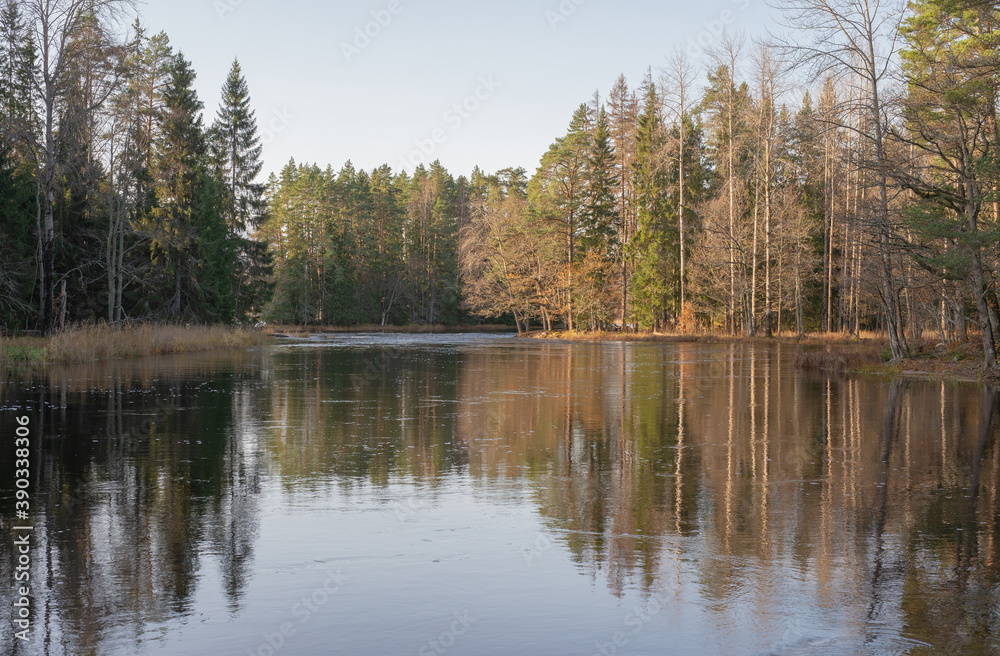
(485,495)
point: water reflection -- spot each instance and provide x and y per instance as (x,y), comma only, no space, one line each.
(713,481)
(142,474)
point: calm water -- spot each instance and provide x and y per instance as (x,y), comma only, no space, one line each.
(478,495)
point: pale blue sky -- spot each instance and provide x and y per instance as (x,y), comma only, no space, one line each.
(531,63)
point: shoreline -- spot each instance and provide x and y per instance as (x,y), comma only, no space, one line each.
(826,353)
(706,338)
(287,331)
(844,354)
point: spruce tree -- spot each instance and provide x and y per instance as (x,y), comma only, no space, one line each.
(236,150)
(11,28)
(17,194)
(17,245)
(656,278)
(18,58)
(600,219)
(180,178)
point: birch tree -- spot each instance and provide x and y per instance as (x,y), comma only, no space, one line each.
(53,24)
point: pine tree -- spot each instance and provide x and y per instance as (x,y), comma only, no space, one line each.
(444,306)
(950,66)
(558,192)
(283,231)
(623,113)
(385,280)
(152,78)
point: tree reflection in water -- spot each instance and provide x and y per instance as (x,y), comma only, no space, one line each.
(701,475)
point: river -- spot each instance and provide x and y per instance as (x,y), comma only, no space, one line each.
(487,495)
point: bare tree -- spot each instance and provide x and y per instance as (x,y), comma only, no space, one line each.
(766,79)
(509,263)
(678,76)
(727,56)
(53,24)
(858,38)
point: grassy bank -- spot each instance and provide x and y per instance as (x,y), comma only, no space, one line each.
(306,331)
(961,361)
(22,350)
(88,343)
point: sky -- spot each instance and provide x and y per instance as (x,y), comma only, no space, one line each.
(401,82)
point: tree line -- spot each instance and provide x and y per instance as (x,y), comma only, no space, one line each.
(839,178)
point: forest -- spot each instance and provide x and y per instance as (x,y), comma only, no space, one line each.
(840,177)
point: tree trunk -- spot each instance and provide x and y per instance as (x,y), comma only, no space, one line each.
(897,340)
(176,306)
(48,226)
(111,257)
(680,218)
(767,233)
(753,272)
(799,323)
(982,306)
(827,233)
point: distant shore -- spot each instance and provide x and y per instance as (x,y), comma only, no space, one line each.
(824,352)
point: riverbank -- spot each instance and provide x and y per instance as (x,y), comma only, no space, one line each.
(962,361)
(830,352)
(704,338)
(101,342)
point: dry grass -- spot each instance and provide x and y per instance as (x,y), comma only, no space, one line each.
(88,343)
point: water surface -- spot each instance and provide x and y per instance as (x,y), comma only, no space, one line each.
(477,495)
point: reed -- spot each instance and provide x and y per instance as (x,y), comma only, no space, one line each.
(85,343)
